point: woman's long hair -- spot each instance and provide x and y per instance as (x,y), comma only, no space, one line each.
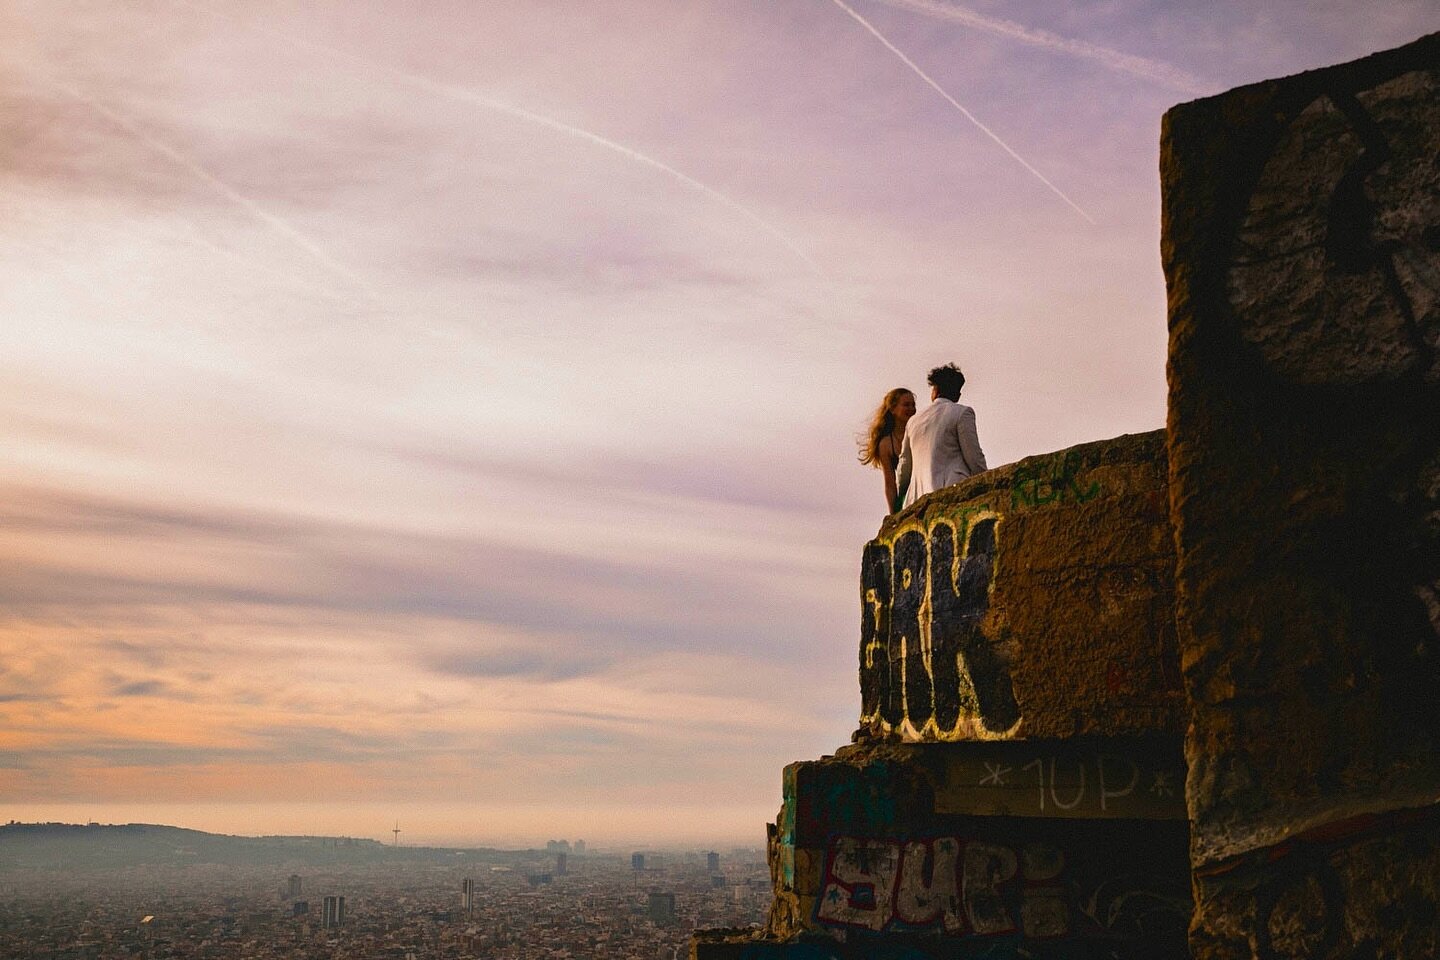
(882,425)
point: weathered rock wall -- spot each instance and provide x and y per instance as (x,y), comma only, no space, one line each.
(1073,848)
(1033,600)
(1016,784)
(1012,787)
(1302,252)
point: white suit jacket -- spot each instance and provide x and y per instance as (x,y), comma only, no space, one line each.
(940,448)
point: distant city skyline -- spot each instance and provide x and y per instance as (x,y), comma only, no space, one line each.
(392,906)
(451,417)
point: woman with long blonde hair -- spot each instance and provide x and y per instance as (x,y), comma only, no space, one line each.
(880,445)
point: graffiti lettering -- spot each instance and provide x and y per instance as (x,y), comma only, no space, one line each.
(988,866)
(1045,910)
(1049,481)
(963,888)
(1028,779)
(1074,801)
(926,892)
(907,634)
(859,885)
(927,666)
(877,676)
(1050,779)
(1106,794)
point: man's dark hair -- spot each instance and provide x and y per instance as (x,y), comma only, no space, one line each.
(948,380)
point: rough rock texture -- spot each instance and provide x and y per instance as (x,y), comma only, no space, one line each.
(1034,600)
(1072,848)
(1013,788)
(1016,787)
(1366,887)
(1301,246)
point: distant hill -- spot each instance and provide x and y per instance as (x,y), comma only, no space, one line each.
(89,846)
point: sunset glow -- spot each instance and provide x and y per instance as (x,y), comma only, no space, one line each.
(445,412)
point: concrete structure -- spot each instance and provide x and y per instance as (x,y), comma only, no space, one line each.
(1017,779)
(1302,250)
(1034,774)
(1084,841)
(980,596)
(1016,783)
(467,896)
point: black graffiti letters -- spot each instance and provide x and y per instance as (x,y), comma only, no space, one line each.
(928,668)
(875,577)
(907,634)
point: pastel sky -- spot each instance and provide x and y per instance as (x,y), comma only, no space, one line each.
(444,412)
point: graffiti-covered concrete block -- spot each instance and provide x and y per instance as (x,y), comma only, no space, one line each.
(1034,600)
(1057,848)
(1302,251)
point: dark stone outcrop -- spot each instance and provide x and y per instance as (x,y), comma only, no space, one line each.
(1062,848)
(1013,788)
(1302,251)
(1016,783)
(1033,600)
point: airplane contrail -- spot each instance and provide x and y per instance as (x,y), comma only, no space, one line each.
(957,105)
(464,94)
(500,106)
(1113,59)
(193,234)
(189,164)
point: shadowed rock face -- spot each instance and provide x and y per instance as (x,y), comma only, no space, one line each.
(1302,251)
(1034,600)
(1334,275)
(1012,789)
(1047,849)
(1017,784)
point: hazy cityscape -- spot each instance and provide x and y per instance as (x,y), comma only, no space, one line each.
(386,903)
(900,479)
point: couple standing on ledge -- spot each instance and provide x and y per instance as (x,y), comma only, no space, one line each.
(933,450)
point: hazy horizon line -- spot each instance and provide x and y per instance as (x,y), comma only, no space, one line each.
(619,847)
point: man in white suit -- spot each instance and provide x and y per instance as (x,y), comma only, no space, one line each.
(941,446)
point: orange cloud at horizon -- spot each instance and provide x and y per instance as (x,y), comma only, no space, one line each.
(374,453)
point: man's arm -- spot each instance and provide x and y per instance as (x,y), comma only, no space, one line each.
(970,450)
(902,480)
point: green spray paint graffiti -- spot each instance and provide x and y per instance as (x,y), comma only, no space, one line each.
(1050,480)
